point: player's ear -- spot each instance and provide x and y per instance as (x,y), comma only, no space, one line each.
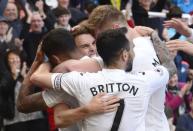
(55,60)
(131,56)
(125,55)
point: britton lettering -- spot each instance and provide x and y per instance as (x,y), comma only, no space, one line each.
(114,87)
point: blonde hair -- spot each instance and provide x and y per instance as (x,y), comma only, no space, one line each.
(104,15)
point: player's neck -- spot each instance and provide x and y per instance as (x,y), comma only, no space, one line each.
(76,54)
(116,65)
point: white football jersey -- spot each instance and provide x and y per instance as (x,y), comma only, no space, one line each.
(146,58)
(134,88)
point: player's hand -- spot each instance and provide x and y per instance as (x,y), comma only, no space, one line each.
(180,27)
(103,103)
(144,31)
(178,45)
(39,54)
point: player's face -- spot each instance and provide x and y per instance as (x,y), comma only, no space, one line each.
(86,44)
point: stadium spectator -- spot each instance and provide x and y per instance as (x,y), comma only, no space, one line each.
(185,121)
(6,40)
(10,86)
(140,10)
(76,15)
(11,13)
(175,96)
(62,18)
(45,12)
(33,37)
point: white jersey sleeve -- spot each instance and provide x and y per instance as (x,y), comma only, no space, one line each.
(54,97)
(68,82)
(156,78)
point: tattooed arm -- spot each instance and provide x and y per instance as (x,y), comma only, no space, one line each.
(163,54)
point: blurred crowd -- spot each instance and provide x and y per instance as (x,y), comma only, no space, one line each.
(23,24)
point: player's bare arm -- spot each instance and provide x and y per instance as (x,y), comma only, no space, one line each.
(85,65)
(178,45)
(42,76)
(28,101)
(98,104)
(163,54)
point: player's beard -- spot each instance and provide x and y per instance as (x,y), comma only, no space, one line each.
(129,66)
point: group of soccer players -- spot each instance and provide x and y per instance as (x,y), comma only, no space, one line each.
(121,89)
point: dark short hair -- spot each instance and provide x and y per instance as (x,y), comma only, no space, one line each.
(110,43)
(61,11)
(81,30)
(58,41)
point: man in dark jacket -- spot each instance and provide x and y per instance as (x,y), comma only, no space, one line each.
(33,37)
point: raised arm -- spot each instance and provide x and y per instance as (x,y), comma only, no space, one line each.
(163,54)
(180,27)
(28,101)
(178,45)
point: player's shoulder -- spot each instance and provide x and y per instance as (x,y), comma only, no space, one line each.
(136,76)
(84,74)
(159,70)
